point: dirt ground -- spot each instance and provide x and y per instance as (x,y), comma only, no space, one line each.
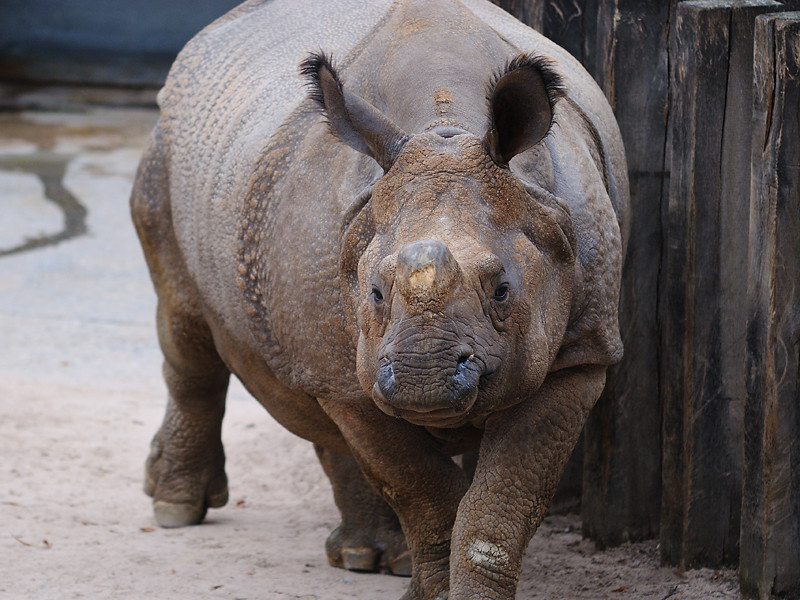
(81,396)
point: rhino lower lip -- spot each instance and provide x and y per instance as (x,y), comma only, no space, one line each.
(427,420)
(442,417)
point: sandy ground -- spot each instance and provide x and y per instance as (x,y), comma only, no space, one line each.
(81,396)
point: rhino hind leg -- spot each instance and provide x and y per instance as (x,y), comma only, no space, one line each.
(185,471)
(369,537)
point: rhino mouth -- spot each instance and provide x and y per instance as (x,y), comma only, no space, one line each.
(449,406)
(450,416)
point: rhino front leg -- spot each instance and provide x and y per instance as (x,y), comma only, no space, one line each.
(369,537)
(522,456)
(416,477)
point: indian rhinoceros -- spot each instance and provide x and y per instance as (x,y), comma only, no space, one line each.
(408,250)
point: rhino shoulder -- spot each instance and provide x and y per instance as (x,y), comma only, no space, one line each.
(581,181)
(572,166)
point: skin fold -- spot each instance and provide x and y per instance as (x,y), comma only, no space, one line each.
(409,251)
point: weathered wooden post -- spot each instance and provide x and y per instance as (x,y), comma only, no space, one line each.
(703,280)
(770,533)
(622,458)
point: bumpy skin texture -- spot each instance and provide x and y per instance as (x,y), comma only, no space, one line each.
(412,274)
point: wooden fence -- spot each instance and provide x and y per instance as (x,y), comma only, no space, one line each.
(697,436)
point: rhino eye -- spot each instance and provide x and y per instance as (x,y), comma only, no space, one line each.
(376,294)
(501,293)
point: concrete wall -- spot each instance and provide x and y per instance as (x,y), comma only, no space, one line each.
(127,42)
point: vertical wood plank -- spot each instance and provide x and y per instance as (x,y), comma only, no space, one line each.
(699,61)
(699,58)
(622,461)
(770,532)
(702,305)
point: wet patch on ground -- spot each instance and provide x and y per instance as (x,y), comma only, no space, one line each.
(37,209)
(50,168)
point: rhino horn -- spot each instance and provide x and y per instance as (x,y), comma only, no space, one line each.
(521,102)
(426,270)
(352,119)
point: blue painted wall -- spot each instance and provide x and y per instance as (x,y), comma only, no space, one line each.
(129,42)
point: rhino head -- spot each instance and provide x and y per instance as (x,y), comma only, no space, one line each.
(460,274)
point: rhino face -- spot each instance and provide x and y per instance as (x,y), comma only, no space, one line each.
(464,289)
(438,344)
(464,275)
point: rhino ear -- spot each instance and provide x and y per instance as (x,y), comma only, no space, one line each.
(352,119)
(521,100)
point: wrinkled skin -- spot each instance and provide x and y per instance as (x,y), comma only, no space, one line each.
(494,317)
(398,268)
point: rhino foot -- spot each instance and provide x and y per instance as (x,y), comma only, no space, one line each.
(183,496)
(170,514)
(385,551)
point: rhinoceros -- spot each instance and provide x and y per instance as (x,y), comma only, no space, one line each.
(407,250)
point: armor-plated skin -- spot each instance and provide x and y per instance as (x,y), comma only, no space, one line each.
(381,278)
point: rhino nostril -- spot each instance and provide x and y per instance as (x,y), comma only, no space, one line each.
(464,362)
(386,379)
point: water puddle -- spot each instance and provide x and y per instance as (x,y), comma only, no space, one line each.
(50,168)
